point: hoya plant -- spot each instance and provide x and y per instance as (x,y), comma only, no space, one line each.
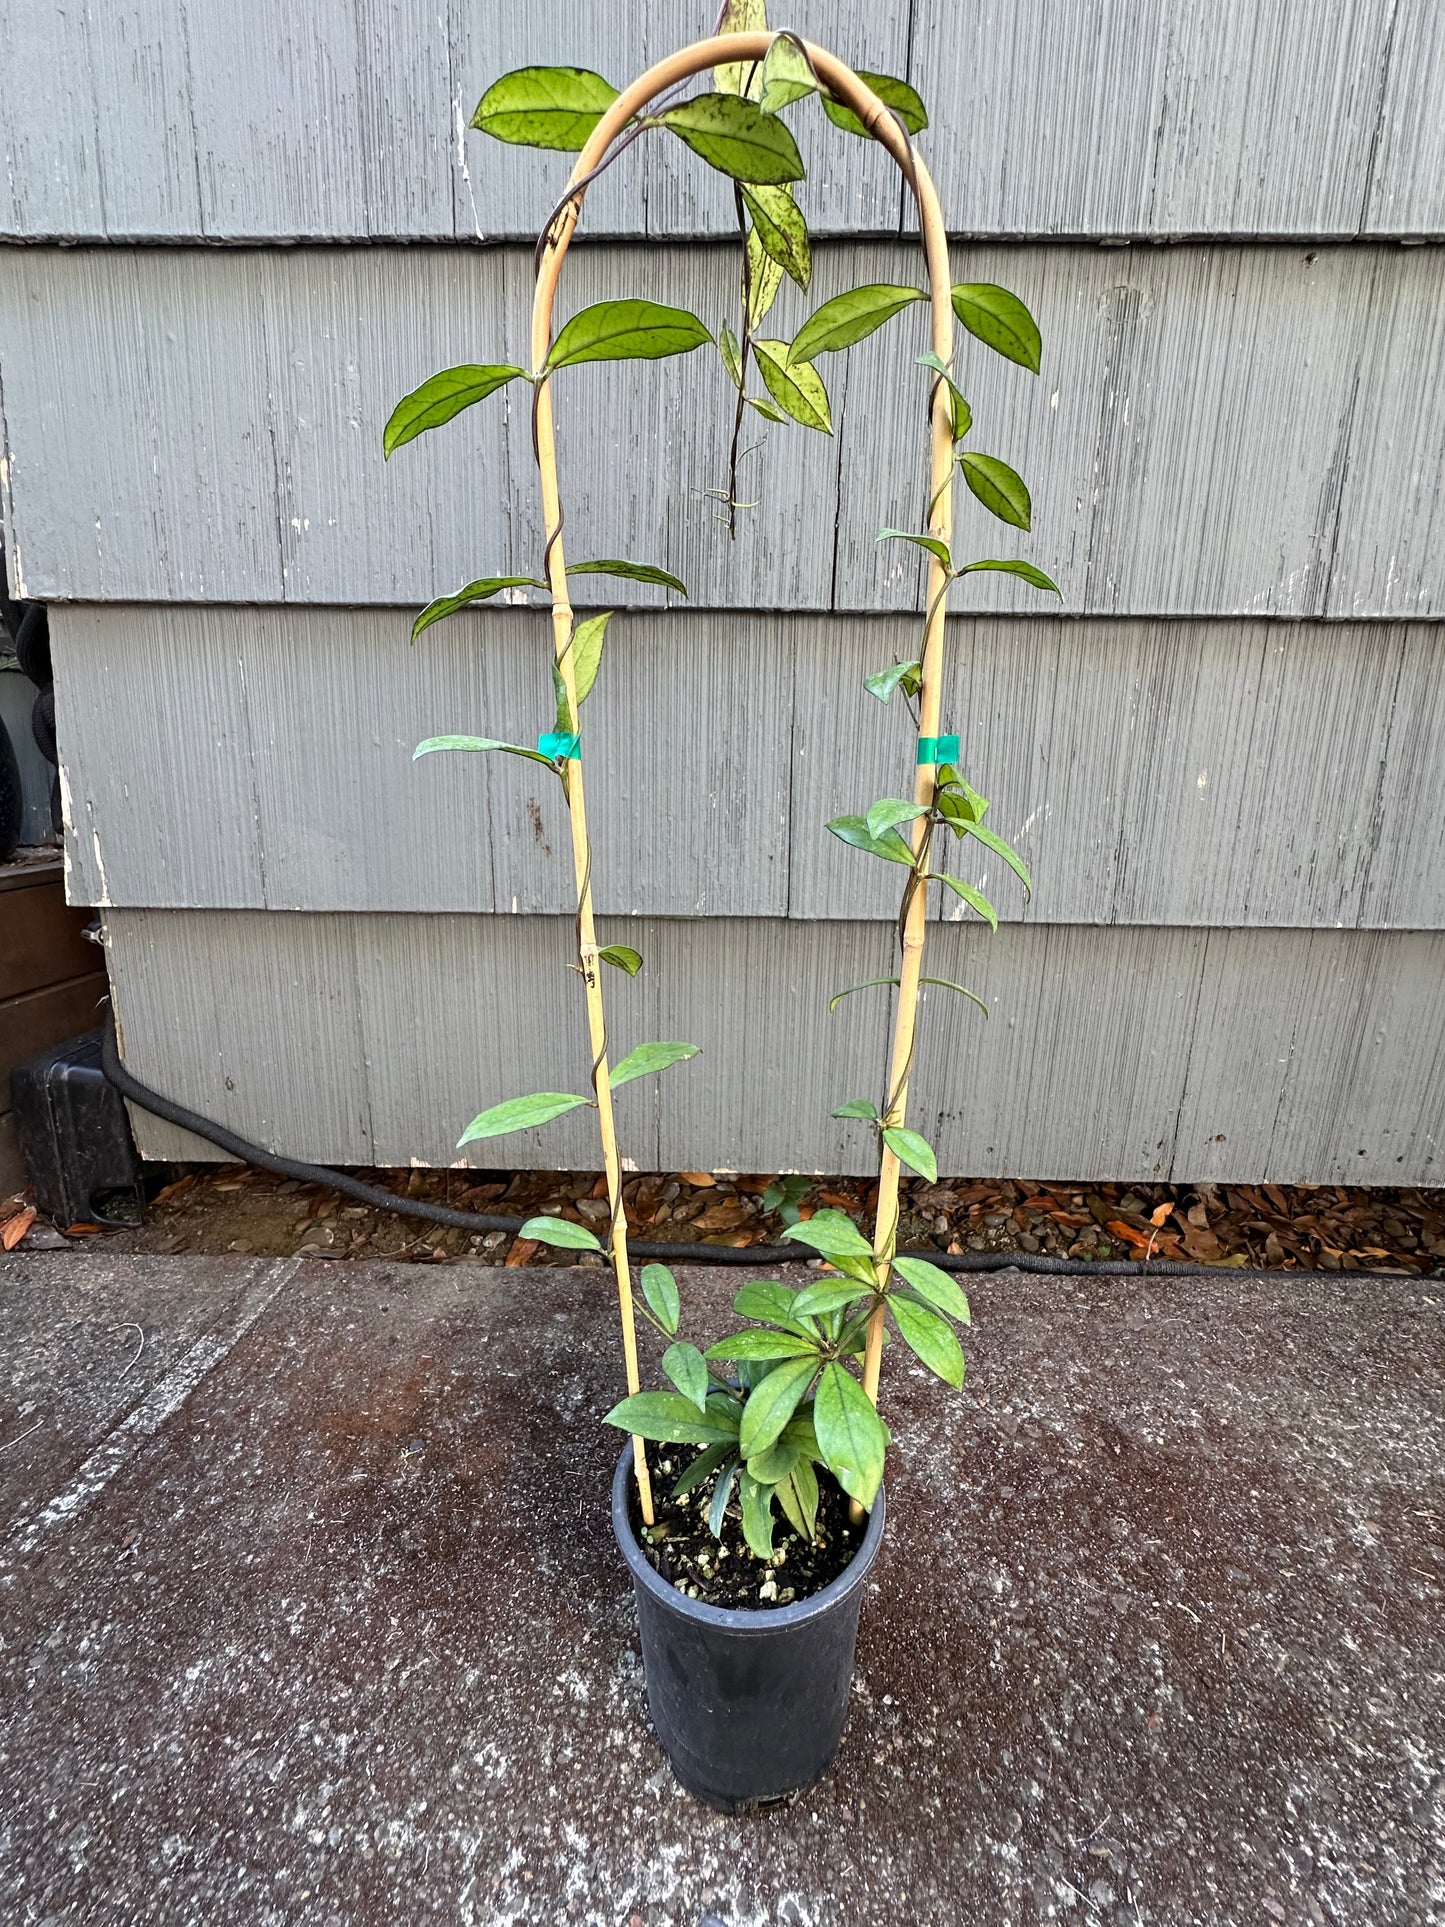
(796,1390)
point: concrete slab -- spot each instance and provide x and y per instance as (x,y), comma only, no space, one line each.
(310,1612)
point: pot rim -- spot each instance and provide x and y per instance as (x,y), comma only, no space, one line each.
(747,1620)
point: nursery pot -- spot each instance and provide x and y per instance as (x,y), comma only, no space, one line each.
(748,1705)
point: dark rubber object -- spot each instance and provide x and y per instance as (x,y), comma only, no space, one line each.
(75,1135)
(749,1706)
(42,724)
(677,1254)
(32,642)
(12,801)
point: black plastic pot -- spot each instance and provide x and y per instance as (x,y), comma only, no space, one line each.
(749,1706)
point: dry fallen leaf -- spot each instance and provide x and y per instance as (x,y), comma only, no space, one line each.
(696,1178)
(1160,1212)
(1128,1233)
(521,1250)
(14,1229)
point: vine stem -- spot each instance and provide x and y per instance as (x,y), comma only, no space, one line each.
(745,344)
(844,85)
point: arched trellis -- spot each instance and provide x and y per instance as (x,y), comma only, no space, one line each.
(843,84)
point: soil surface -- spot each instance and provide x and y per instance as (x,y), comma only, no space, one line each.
(681,1549)
(214,1209)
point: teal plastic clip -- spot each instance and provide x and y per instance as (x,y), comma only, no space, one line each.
(561,746)
(938,749)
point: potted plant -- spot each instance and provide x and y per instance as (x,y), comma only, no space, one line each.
(748,1643)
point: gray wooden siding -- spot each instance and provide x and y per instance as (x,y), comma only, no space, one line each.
(1246,431)
(184,119)
(1286,1055)
(1254,774)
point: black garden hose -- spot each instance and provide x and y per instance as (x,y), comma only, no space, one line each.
(678,1254)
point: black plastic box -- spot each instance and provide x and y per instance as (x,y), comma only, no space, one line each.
(75,1136)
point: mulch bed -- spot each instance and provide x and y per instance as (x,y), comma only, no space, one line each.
(218,1208)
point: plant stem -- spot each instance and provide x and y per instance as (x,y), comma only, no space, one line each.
(745,342)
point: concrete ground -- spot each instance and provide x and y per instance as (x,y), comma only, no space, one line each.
(309,1612)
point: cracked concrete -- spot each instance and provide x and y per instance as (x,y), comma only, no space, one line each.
(340,1635)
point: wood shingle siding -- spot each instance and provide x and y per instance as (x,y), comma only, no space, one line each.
(238,242)
(341,121)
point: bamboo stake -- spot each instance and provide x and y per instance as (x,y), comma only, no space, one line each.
(843,83)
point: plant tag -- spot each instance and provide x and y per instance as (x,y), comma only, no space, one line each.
(561,746)
(938,749)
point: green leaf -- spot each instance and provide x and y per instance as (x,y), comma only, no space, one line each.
(478,743)
(685,1366)
(732,355)
(896,94)
(831,1294)
(741,76)
(670,1419)
(870,983)
(755,1343)
(520,1114)
(706,1462)
(930,1338)
(1010,856)
(782,230)
(959,410)
(1025,570)
(587,640)
(769,411)
(772,1404)
(786,1495)
(736,137)
(854,831)
(804,1481)
(632,571)
(438,399)
(648,1058)
(787,76)
(563,724)
(622,957)
(975,899)
(889,811)
(659,1288)
(773,1464)
(722,1492)
(766,1298)
(883,683)
(629,330)
(862,1106)
(765,277)
(911,1149)
(943,983)
(796,386)
(848,318)
(1000,320)
(562,1233)
(556,107)
(851,1436)
(934,1285)
(1002,491)
(757,1501)
(480,591)
(831,1234)
(935,546)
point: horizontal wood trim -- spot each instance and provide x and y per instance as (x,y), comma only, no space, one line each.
(30,1024)
(41,940)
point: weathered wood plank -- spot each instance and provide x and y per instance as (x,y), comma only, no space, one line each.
(1244,1055)
(1241,431)
(1254,774)
(346,120)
